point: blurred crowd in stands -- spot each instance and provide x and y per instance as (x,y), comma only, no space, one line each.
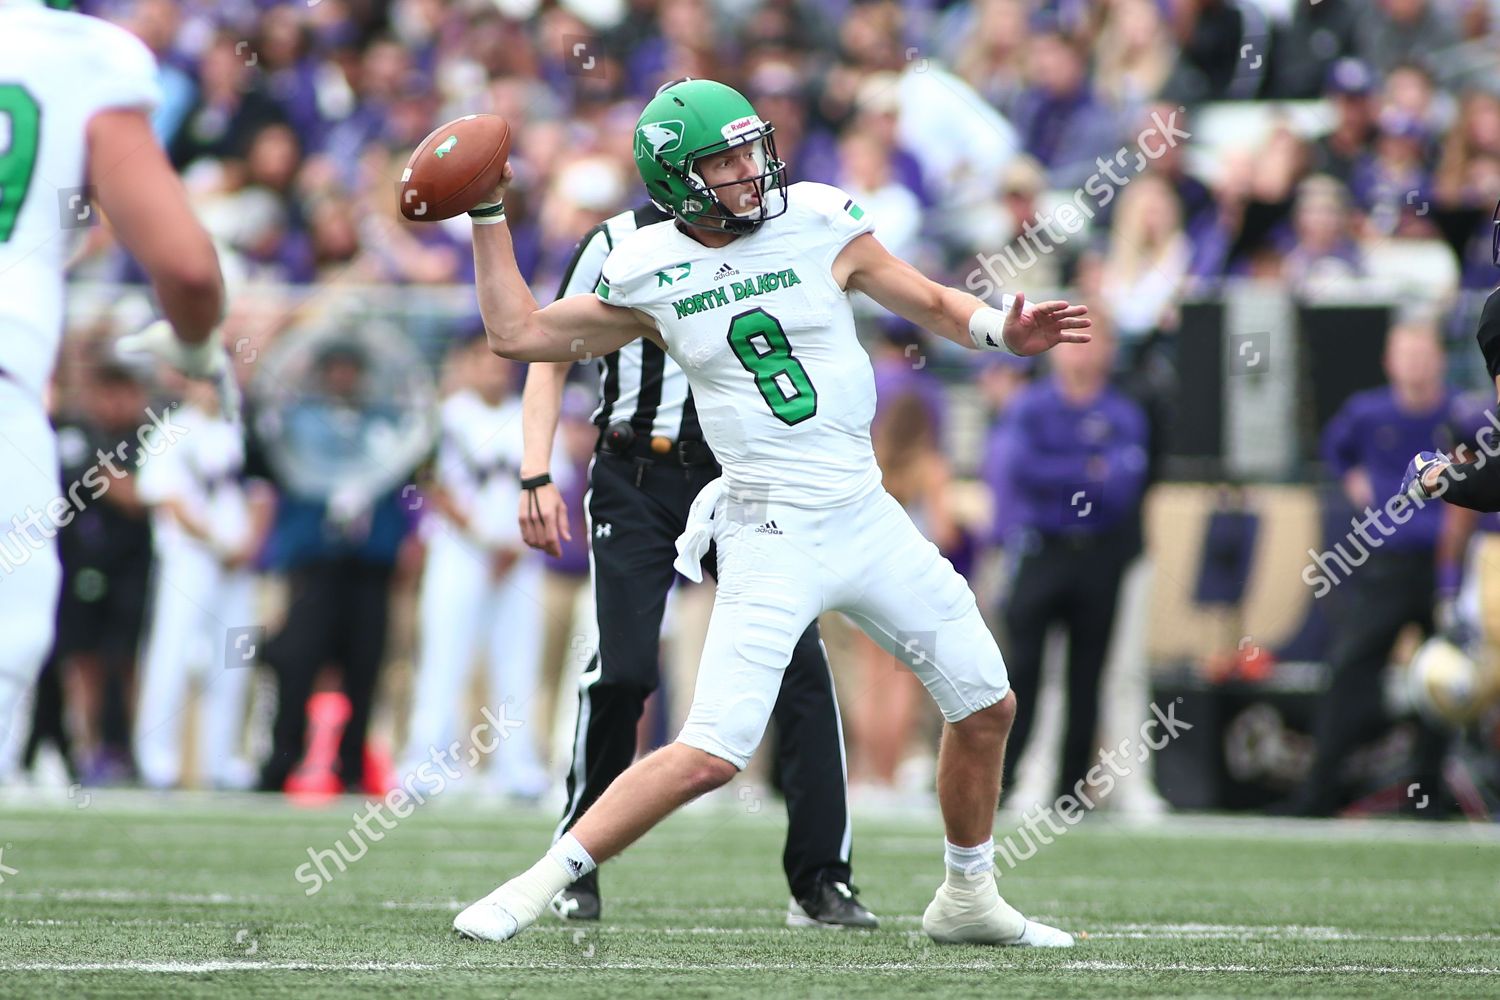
(1135,153)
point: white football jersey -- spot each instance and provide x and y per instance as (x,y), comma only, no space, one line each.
(202,470)
(479,462)
(784,390)
(57,70)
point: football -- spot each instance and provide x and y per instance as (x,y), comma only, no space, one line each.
(454,168)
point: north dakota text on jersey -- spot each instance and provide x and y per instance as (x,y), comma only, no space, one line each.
(715,297)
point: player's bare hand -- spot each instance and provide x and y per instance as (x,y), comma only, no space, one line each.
(497,196)
(544,519)
(1032,329)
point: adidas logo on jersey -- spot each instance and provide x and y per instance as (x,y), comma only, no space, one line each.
(725,271)
(769,528)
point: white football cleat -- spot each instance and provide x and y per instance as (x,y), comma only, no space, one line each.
(508,910)
(490,919)
(961,915)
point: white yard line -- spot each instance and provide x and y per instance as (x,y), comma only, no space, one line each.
(131,896)
(1105,932)
(1297,970)
(214,966)
(196,968)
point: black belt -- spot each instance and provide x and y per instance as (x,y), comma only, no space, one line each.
(657,449)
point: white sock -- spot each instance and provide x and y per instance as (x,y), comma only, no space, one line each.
(965,864)
(526,896)
(575,861)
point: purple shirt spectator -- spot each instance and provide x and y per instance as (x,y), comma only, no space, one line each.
(1372,433)
(1072,469)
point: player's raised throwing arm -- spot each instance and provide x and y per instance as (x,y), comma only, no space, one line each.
(864,265)
(567,330)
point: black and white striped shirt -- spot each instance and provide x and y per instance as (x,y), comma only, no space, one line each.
(639,382)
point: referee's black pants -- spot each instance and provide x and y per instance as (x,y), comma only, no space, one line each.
(1379,599)
(636,511)
(1073,582)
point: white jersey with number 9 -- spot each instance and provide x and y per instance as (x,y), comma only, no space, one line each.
(784,390)
(57,70)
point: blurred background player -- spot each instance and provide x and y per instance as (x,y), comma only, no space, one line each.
(651,462)
(481,586)
(106,551)
(207,529)
(1075,455)
(75,98)
(1365,444)
(340,450)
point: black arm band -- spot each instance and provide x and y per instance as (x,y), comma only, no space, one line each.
(536,482)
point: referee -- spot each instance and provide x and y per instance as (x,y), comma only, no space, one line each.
(650,463)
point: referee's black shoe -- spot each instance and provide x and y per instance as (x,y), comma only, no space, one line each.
(831,904)
(579,901)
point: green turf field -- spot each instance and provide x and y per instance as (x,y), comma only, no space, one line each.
(136,894)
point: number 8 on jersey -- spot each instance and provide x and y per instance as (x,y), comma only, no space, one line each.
(775,369)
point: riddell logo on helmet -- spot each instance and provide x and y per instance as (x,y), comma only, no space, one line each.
(740,125)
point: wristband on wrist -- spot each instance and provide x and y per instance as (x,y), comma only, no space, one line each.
(537,482)
(201,353)
(488,213)
(987,327)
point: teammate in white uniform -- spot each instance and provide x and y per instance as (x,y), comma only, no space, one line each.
(482,587)
(74,97)
(747,289)
(203,597)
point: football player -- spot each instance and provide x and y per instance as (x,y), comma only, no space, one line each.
(75,93)
(747,288)
(479,579)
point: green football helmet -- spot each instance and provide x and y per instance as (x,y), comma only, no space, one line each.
(690,119)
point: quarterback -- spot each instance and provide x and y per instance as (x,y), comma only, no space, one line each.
(747,289)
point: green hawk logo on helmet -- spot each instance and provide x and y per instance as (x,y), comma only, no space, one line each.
(663,137)
(689,120)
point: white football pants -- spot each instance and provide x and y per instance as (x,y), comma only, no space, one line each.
(30,573)
(463,608)
(200,612)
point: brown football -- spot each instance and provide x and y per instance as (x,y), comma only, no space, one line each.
(454,168)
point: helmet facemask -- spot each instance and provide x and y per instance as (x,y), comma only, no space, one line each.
(769,177)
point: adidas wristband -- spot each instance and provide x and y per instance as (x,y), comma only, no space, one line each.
(987,326)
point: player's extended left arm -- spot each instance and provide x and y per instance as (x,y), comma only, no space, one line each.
(866,266)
